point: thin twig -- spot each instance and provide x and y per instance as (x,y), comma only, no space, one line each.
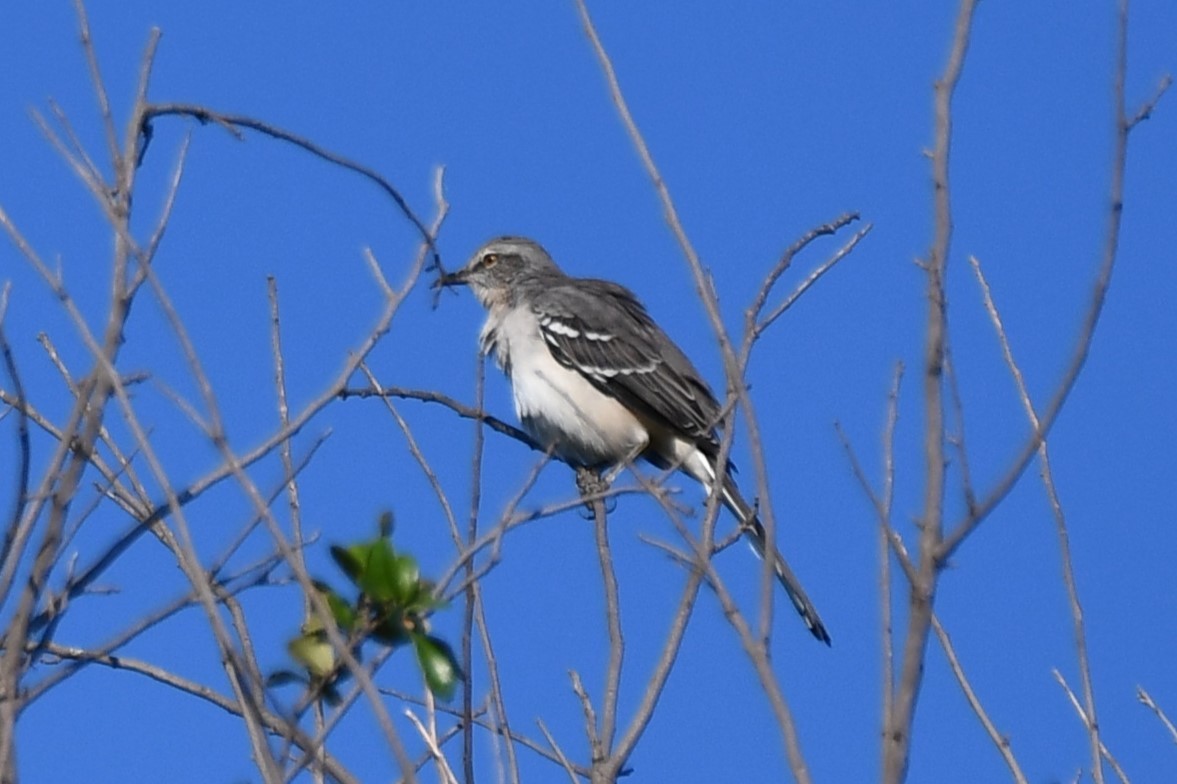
(786,260)
(1060,520)
(75,143)
(430,738)
(252,576)
(957,437)
(490,726)
(1147,700)
(603,752)
(274,723)
(462,410)
(286,450)
(1103,749)
(558,752)
(999,740)
(656,683)
(477,451)
(758,655)
(812,278)
(204,114)
(510,520)
(112,142)
(21,475)
(476,609)
(886,622)
(165,213)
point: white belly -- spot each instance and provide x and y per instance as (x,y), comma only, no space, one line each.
(559,407)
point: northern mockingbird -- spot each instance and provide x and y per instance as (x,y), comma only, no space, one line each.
(599,383)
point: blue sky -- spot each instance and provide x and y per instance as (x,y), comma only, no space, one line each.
(765,119)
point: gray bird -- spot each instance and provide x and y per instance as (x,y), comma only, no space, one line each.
(599,383)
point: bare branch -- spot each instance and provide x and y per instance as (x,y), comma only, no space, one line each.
(558,752)
(169,203)
(999,740)
(758,654)
(606,764)
(1123,127)
(429,735)
(498,730)
(590,723)
(20,405)
(286,450)
(887,646)
(957,438)
(462,410)
(810,279)
(786,260)
(234,121)
(75,144)
(83,425)
(99,85)
(898,728)
(1060,520)
(703,287)
(1146,109)
(1147,700)
(471,606)
(274,723)
(1103,750)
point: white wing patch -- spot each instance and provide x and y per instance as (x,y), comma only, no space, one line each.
(553,329)
(600,373)
(550,324)
(555,326)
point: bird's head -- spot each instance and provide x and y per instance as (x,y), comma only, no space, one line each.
(496,270)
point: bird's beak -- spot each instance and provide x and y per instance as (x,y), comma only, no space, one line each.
(452,279)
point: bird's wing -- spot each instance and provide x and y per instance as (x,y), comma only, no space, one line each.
(603,332)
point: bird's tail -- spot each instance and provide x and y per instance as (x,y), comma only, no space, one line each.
(758,538)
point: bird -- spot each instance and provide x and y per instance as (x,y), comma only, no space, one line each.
(597,382)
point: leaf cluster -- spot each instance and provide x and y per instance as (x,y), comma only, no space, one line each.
(389,605)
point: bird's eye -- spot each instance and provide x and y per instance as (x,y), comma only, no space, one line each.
(490,259)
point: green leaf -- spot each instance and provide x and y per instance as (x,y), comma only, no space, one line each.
(314,652)
(342,611)
(348,561)
(421,599)
(406,576)
(438,665)
(378,578)
(424,601)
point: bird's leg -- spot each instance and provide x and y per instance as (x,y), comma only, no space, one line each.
(633,454)
(610,476)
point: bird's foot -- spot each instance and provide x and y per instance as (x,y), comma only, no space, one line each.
(592,484)
(590,481)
